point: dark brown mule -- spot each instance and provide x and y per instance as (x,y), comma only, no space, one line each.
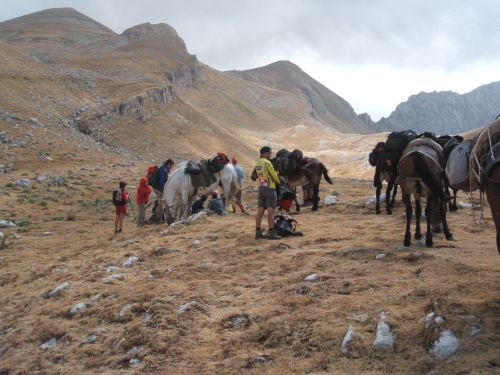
(421,175)
(309,172)
(383,174)
(484,164)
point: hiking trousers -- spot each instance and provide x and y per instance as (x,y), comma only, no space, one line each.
(141,220)
(160,208)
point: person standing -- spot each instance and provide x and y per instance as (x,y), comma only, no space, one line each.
(267,179)
(142,198)
(239,180)
(161,179)
(120,200)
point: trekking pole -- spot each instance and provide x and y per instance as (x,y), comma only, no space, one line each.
(134,220)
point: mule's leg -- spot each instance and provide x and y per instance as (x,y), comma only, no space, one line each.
(388,207)
(446,229)
(315,197)
(394,195)
(428,217)
(418,215)
(377,195)
(297,207)
(407,203)
(454,207)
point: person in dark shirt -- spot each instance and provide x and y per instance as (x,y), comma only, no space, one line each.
(217,205)
(198,204)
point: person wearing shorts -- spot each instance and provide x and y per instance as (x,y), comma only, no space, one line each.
(267,179)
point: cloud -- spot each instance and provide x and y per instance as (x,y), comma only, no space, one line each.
(374,53)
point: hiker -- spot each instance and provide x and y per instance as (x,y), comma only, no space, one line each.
(157,179)
(198,204)
(268,179)
(120,200)
(142,198)
(216,205)
(239,179)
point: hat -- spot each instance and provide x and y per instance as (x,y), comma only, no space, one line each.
(265,150)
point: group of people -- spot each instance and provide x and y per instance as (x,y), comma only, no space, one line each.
(154,182)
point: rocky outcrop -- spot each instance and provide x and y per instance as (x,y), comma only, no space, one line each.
(135,106)
(445,112)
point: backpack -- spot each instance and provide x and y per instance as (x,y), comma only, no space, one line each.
(285,226)
(218,161)
(118,198)
(154,179)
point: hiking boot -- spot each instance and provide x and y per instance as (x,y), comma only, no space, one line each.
(258,234)
(272,235)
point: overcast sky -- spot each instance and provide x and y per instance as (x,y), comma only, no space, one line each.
(374,53)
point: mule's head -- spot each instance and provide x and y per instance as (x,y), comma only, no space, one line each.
(374,155)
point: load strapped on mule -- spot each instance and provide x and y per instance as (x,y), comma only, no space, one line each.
(289,162)
(203,173)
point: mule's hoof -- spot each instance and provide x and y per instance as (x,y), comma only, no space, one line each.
(449,237)
(428,243)
(418,236)
(377,212)
(407,243)
(389,212)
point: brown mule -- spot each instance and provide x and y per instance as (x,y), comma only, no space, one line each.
(309,172)
(421,175)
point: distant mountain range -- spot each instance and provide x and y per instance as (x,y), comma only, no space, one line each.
(143,93)
(444,112)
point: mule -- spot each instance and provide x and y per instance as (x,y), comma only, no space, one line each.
(308,172)
(383,174)
(179,191)
(421,175)
(484,164)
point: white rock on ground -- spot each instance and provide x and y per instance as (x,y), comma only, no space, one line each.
(196,217)
(380,256)
(312,277)
(344,347)
(363,317)
(330,200)
(112,269)
(130,261)
(89,339)
(446,346)
(113,277)
(464,205)
(177,223)
(196,243)
(124,310)
(186,307)
(429,319)
(95,297)
(7,224)
(54,292)
(23,182)
(78,308)
(135,362)
(384,337)
(475,330)
(16,236)
(49,343)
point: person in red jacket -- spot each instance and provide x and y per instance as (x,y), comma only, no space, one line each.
(121,206)
(143,192)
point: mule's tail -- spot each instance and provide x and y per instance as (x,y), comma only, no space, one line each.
(428,178)
(325,173)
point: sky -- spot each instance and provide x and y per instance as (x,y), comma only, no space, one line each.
(373,53)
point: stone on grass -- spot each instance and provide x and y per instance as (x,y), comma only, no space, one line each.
(130,261)
(78,308)
(196,217)
(262,359)
(46,234)
(177,223)
(57,181)
(58,289)
(312,278)
(330,200)
(16,236)
(49,343)
(344,347)
(124,310)
(135,362)
(7,224)
(439,320)
(148,315)
(381,256)
(116,276)
(24,182)
(188,306)
(446,346)
(89,339)
(384,338)
(196,243)
(95,297)
(475,330)
(112,269)
(464,205)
